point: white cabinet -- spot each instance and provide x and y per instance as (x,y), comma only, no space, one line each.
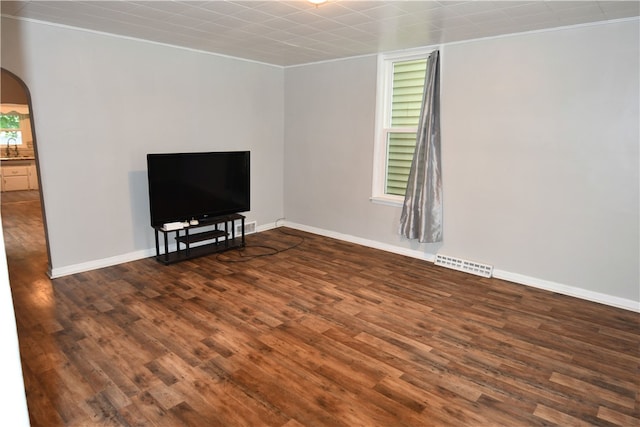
(19,175)
(33,176)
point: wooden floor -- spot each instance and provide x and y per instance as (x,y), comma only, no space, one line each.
(325,334)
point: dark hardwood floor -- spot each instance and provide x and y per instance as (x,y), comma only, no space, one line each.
(325,334)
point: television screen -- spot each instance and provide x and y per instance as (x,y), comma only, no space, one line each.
(185,186)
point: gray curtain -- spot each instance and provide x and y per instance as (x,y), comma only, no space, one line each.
(422,210)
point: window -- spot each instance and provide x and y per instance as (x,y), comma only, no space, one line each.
(10,133)
(400,90)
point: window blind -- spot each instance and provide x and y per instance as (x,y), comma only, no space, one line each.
(408,85)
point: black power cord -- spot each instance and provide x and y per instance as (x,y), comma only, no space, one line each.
(270,249)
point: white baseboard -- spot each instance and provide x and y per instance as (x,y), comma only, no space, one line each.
(521,279)
(55,273)
(364,242)
(266,227)
(571,291)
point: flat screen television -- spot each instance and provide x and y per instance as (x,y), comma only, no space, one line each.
(186,186)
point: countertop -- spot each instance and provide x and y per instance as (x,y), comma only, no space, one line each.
(10,159)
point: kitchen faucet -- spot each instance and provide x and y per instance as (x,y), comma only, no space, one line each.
(15,145)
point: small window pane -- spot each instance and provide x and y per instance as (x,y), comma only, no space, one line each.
(11,137)
(408,85)
(400,148)
(9,121)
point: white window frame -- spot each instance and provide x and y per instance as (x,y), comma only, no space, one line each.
(383,120)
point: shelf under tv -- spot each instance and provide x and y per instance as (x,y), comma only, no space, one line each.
(221,239)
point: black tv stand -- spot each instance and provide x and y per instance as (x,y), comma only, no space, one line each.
(221,239)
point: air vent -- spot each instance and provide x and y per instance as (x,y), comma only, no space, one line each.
(249,228)
(464,265)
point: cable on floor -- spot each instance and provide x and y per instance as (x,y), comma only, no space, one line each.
(271,250)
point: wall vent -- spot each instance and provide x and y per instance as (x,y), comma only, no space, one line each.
(249,228)
(478,269)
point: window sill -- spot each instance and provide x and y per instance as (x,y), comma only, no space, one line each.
(387,201)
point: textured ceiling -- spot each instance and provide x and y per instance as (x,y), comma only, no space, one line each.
(296,32)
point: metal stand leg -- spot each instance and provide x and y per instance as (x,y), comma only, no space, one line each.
(243,231)
(166,246)
(226,234)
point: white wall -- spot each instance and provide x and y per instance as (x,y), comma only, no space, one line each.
(13,401)
(101,103)
(539,148)
(541,139)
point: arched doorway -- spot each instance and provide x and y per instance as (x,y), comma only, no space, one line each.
(19,167)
